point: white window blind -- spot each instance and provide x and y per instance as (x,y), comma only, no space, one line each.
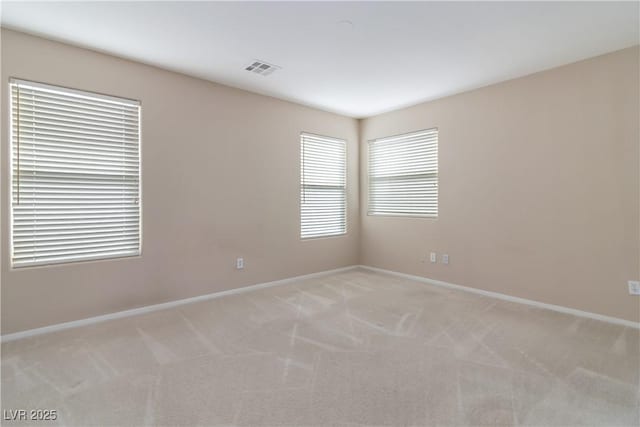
(75,175)
(323,204)
(403,174)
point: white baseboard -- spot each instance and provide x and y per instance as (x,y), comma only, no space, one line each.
(156,307)
(170,304)
(510,298)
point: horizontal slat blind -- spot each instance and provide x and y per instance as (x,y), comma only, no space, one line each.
(403,174)
(323,202)
(75,175)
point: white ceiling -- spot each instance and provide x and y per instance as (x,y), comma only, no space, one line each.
(394,55)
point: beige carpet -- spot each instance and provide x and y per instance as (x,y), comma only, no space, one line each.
(354,348)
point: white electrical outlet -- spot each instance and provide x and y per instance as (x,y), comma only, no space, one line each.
(433,257)
(634,287)
(445,258)
(239,263)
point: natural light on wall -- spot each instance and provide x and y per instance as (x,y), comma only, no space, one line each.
(75,175)
(403,174)
(323,199)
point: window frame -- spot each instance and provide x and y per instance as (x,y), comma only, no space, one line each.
(302,186)
(437,176)
(10,178)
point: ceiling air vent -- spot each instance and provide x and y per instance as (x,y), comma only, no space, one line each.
(261,67)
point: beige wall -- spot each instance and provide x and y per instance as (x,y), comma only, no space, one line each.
(220,180)
(539,188)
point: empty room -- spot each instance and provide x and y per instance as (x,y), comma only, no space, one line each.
(320,213)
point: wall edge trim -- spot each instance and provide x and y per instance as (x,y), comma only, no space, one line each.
(162,306)
(505,297)
(176,303)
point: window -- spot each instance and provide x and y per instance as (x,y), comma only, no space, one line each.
(403,174)
(323,201)
(75,175)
